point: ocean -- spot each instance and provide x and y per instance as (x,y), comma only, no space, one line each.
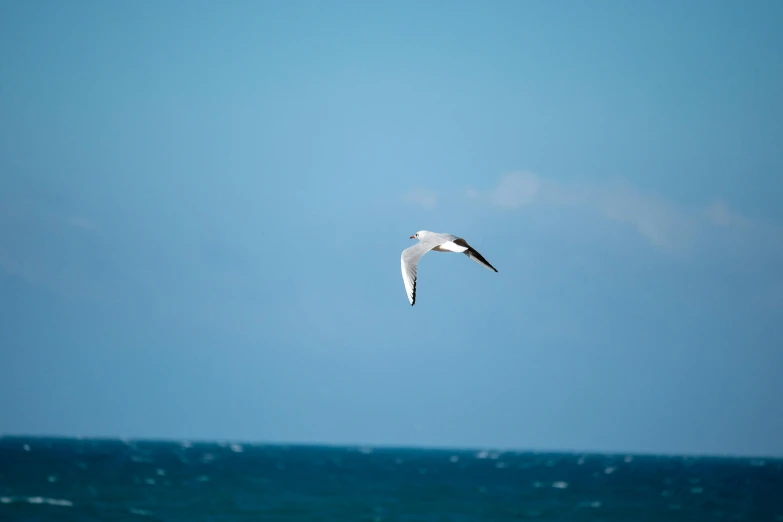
(77,480)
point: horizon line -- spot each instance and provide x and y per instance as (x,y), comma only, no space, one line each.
(390,446)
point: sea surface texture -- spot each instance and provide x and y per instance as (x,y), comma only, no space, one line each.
(82,480)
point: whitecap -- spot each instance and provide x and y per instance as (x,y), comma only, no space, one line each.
(560,484)
(500,465)
(186,444)
(26,447)
(610,470)
(140,512)
(237,448)
(482,454)
(161,472)
(454,458)
(365,450)
(628,458)
(696,491)
(58,502)
(37,500)
(52,478)
(591,504)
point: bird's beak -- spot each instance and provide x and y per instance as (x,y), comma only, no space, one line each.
(413,237)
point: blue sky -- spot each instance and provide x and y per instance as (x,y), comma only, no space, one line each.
(202,209)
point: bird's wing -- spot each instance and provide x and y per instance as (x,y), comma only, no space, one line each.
(408,261)
(474,255)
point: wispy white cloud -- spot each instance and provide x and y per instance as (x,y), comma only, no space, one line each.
(513,191)
(663,224)
(422,198)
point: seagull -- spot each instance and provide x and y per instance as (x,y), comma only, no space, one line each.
(440,243)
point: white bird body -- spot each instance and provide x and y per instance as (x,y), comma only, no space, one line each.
(439,243)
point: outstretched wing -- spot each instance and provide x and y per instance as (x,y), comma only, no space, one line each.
(408,261)
(474,255)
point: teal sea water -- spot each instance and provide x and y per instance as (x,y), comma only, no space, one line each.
(87,480)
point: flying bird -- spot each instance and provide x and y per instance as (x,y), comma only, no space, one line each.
(439,243)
